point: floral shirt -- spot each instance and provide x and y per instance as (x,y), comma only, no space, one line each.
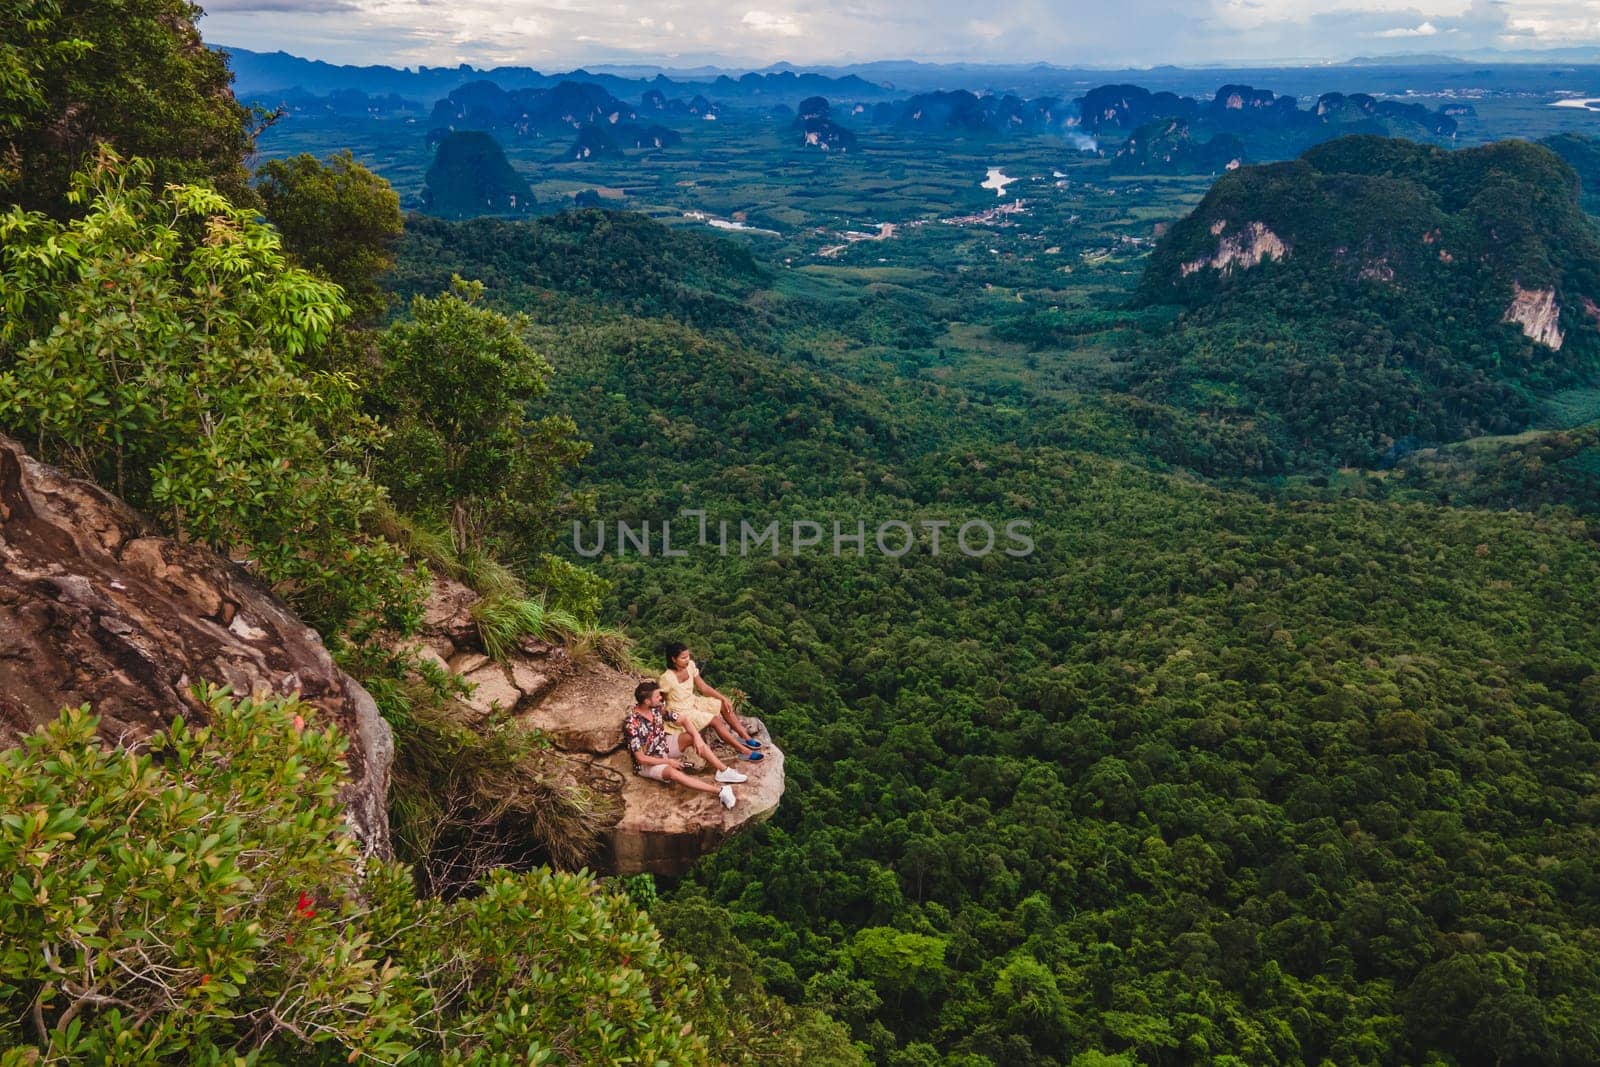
(646,732)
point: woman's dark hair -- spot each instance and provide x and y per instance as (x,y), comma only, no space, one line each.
(642,691)
(673,648)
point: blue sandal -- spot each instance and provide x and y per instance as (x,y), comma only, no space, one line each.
(750,742)
(755,757)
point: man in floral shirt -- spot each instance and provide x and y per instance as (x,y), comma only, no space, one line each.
(659,755)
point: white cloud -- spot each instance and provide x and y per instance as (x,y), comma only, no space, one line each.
(767,22)
(1426,29)
(562,34)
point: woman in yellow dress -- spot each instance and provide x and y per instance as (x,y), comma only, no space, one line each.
(679,682)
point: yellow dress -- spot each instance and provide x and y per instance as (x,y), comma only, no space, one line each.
(692,709)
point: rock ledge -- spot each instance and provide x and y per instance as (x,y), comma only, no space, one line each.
(662,828)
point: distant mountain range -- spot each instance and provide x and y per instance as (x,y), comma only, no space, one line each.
(262,75)
(1242,107)
(1234,109)
(1579,54)
(273,72)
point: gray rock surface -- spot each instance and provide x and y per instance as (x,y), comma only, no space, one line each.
(580,706)
(96,608)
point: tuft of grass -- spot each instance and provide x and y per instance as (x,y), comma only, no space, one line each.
(606,644)
(505,613)
(472,796)
(423,543)
(434,547)
(503,620)
(488,577)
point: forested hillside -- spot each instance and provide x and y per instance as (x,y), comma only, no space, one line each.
(1375,291)
(1212,776)
(1267,732)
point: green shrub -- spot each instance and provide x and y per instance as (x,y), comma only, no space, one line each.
(503,620)
(453,385)
(571,588)
(198,898)
(202,901)
(152,345)
(338,219)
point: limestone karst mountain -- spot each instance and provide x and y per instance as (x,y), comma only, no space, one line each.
(1169,147)
(816,129)
(1375,294)
(1480,224)
(470,176)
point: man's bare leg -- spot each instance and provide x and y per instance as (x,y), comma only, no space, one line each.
(703,750)
(682,778)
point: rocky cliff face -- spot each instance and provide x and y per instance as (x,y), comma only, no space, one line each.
(1536,311)
(97,609)
(1240,250)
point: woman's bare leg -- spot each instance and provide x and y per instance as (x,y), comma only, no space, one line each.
(723,732)
(733,721)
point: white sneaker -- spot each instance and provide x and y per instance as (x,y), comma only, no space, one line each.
(728,774)
(727,796)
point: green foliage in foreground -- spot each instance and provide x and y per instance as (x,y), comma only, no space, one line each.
(154,345)
(337,218)
(133,74)
(203,901)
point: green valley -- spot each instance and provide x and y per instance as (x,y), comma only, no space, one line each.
(1155,514)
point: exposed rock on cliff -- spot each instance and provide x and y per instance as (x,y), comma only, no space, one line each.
(665,828)
(579,706)
(96,609)
(1536,311)
(1243,250)
(1170,147)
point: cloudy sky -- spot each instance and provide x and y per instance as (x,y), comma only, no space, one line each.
(567,33)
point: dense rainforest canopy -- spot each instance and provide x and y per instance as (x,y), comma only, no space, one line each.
(1281,746)
(1216,775)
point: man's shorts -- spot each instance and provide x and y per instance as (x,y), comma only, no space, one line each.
(658,771)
